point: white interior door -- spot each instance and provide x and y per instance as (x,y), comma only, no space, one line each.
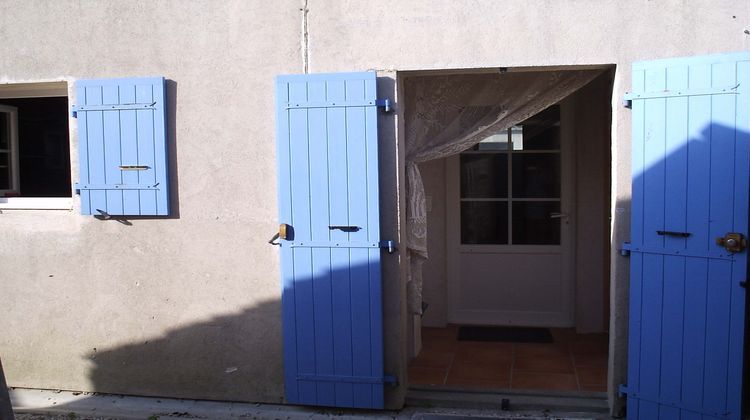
(509,227)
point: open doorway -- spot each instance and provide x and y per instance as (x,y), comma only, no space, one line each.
(516,287)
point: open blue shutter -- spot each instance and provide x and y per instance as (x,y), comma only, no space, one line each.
(328,193)
(122,147)
(691,173)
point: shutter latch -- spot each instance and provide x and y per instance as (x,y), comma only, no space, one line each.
(391,380)
(389,245)
(385,103)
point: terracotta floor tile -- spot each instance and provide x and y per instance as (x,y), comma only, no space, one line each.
(532,350)
(532,380)
(563,335)
(440,346)
(494,345)
(589,347)
(448,333)
(480,353)
(592,375)
(594,388)
(591,360)
(470,371)
(572,361)
(544,364)
(433,359)
(419,375)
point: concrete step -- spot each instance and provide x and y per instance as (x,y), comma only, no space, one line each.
(587,404)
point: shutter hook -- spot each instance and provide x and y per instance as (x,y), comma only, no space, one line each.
(104,215)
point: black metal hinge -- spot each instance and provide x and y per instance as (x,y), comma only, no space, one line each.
(625,249)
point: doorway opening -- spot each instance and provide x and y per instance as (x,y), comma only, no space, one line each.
(519,239)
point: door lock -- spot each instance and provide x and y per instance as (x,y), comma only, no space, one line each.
(732,242)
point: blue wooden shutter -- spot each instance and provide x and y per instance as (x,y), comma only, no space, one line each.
(328,193)
(691,154)
(122,147)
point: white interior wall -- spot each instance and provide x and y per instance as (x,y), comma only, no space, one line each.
(434,270)
(592,124)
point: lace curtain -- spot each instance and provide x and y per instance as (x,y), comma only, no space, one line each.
(450,113)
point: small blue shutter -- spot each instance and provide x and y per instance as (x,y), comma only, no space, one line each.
(122,146)
(691,177)
(327,155)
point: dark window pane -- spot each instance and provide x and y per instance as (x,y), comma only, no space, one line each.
(542,131)
(4,131)
(43,146)
(484,175)
(532,224)
(536,175)
(4,171)
(546,139)
(484,222)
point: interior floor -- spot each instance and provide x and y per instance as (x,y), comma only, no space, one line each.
(573,362)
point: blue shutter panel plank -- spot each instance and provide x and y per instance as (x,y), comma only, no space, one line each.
(691,174)
(328,193)
(122,147)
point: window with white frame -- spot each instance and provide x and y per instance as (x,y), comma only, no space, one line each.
(34,146)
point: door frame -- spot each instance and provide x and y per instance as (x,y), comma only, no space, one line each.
(567,236)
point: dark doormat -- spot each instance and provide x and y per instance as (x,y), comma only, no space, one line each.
(505,334)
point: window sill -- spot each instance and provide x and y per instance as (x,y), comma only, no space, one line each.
(36,203)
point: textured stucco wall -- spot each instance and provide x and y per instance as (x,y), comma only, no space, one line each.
(204,287)
(186,306)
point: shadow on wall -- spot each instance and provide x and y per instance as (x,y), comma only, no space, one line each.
(683,316)
(174,184)
(239,357)
(231,357)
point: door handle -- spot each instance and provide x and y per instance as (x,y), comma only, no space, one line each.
(345,228)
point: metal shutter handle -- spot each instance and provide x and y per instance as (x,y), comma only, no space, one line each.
(134,167)
(345,228)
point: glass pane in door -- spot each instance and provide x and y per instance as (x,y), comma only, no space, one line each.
(536,175)
(542,131)
(484,175)
(484,222)
(534,223)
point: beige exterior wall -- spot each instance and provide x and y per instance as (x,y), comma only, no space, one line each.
(191,298)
